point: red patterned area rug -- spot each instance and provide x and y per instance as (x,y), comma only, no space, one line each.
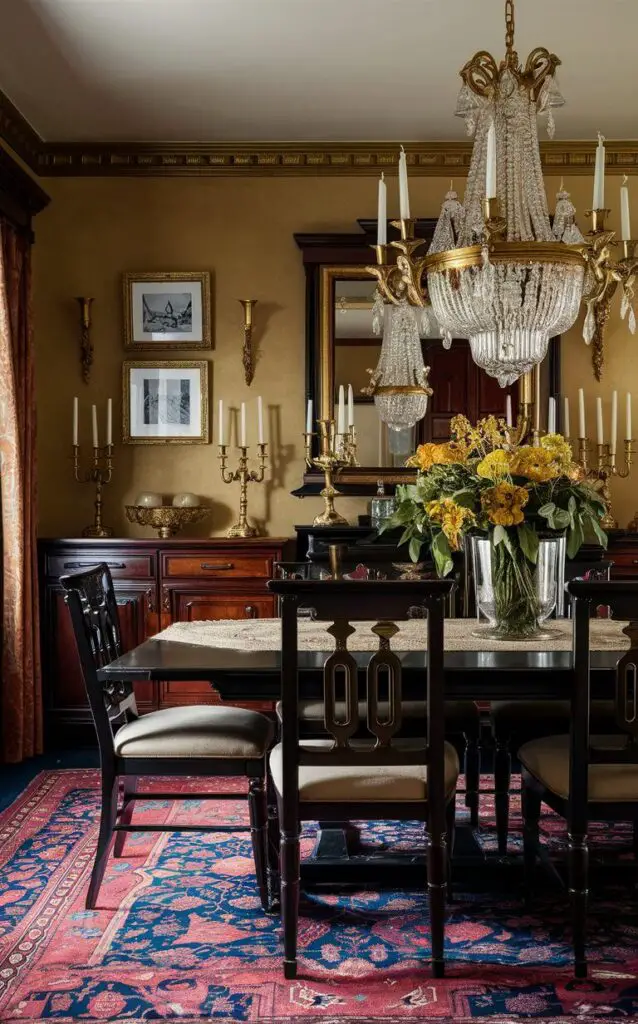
(179,934)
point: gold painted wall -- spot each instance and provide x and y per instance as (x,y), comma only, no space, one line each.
(242,231)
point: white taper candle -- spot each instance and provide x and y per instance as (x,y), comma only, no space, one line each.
(309,417)
(625,219)
(109,422)
(628,417)
(598,200)
(260,420)
(551,415)
(600,436)
(242,441)
(581,413)
(613,438)
(350,406)
(94,424)
(382,215)
(508,410)
(341,417)
(75,421)
(404,195)
(222,439)
(566,426)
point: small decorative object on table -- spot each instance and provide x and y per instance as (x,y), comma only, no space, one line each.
(167,519)
(245,476)
(337,449)
(516,497)
(102,468)
(149,499)
(186,500)
(381,506)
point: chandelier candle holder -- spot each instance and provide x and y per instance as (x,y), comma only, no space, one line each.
(337,449)
(242,474)
(604,466)
(498,271)
(101,471)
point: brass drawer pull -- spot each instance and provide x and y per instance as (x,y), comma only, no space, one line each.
(217,565)
(92,565)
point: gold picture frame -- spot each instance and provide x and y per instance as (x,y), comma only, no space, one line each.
(155,414)
(165,311)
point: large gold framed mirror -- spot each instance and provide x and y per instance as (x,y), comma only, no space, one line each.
(342,347)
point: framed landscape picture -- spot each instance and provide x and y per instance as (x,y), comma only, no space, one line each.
(165,402)
(163,311)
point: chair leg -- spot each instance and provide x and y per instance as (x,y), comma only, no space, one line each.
(126,814)
(108,814)
(437,866)
(531,807)
(273,848)
(502,777)
(450,821)
(472,778)
(578,866)
(289,854)
(258,813)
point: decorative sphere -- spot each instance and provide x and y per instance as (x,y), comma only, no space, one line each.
(186,500)
(149,499)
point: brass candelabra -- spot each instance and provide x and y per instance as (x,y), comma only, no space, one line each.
(603,470)
(99,474)
(336,450)
(245,476)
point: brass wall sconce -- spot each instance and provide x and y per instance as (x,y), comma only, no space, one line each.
(86,345)
(247,355)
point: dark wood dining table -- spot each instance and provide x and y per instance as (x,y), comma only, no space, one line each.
(254,675)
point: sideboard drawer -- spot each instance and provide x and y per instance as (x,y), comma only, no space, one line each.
(218,564)
(122,565)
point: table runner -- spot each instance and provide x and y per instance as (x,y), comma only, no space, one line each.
(265,635)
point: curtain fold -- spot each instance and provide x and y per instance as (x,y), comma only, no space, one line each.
(20,680)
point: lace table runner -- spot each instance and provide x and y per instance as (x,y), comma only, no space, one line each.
(265,635)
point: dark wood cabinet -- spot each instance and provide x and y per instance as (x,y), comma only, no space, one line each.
(156,582)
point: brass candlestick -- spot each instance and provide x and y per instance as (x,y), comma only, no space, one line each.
(335,452)
(242,527)
(605,468)
(99,474)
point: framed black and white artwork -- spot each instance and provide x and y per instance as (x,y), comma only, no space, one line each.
(170,310)
(165,402)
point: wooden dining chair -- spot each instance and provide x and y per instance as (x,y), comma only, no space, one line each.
(182,741)
(384,774)
(583,776)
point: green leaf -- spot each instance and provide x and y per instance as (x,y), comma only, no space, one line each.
(598,530)
(546,511)
(415,548)
(465,497)
(405,536)
(441,553)
(560,519)
(499,535)
(528,540)
(575,539)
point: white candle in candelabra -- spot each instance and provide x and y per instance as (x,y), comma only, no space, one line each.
(94,424)
(350,406)
(260,420)
(109,422)
(309,417)
(614,423)
(581,413)
(404,195)
(566,427)
(341,417)
(600,437)
(382,216)
(551,415)
(221,422)
(598,200)
(75,421)
(242,442)
(628,417)
(490,170)
(508,410)
(625,221)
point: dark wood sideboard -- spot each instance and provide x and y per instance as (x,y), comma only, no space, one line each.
(157,582)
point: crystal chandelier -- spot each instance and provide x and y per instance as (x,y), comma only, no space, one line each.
(498,271)
(399,384)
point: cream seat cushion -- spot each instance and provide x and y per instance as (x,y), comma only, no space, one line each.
(547,760)
(336,783)
(196,731)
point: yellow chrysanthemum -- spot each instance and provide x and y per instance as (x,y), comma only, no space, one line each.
(536,464)
(495,465)
(560,450)
(453,518)
(428,455)
(504,504)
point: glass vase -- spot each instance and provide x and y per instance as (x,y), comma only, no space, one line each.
(514,596)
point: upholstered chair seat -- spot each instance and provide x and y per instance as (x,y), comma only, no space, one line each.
(547,759)
(377,783)
(196,731)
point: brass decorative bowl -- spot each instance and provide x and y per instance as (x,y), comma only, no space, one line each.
(167,519)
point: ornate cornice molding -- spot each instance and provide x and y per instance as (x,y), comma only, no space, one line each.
(286,158)
(16,131)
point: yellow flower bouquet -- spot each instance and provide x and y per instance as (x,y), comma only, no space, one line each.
(479,483)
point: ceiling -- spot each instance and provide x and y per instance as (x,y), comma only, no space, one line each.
(298,70)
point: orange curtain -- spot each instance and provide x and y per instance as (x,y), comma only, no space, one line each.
(20,681)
